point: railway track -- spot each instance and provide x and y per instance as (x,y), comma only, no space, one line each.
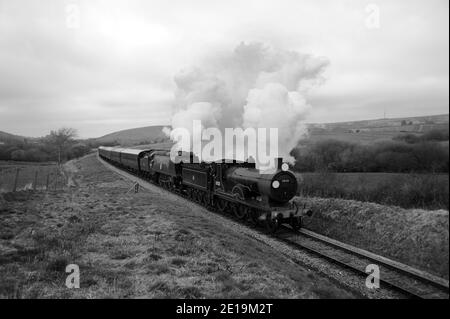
(408,281)
(403,279)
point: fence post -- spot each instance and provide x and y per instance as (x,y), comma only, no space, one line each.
(15,180)
(48,180)
(35,180)
(56,181)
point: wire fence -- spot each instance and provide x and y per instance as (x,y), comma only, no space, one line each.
(45,177)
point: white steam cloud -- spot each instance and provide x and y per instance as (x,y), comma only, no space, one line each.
(255,86)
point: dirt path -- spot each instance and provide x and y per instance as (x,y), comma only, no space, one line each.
(131,245)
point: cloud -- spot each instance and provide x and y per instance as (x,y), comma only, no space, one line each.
(118,65)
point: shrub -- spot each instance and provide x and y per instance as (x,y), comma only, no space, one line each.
(386,156)
(407,138)
(78,150)
(436,135)
(43,150)
(18,155)
(428,191)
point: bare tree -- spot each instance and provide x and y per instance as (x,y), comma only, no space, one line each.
(61,139)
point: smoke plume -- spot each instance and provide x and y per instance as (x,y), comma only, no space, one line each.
(254,86)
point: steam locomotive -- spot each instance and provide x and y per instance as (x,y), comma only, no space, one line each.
(227,186)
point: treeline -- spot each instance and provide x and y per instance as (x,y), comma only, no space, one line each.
(394,156)
(58,146)
(40,151)
(430,136)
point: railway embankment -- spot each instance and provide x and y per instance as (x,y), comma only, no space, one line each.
(417,237)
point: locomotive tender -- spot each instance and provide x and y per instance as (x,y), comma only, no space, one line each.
(227,186)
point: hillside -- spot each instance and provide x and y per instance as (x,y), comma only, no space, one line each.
(369,131)
(388,122)
(148,135)
(366,131)
(6,137)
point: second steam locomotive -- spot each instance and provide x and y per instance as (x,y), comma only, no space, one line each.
(236,187)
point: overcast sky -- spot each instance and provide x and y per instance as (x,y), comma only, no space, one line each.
(101,66)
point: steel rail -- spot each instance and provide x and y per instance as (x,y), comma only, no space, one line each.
(420,275)
(358,271)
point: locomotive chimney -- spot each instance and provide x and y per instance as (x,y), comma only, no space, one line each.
(278,162)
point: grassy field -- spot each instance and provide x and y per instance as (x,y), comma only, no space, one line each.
(364,137)
(27,175)
(428,191)
(136,245)
(370,131)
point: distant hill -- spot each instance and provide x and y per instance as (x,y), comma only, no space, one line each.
(8,138)
(368,131)
(141,135)
(388,122)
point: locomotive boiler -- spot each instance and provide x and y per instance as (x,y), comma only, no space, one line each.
(279,187)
